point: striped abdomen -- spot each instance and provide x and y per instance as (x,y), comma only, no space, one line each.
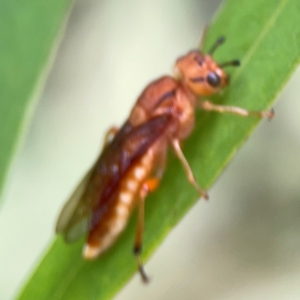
(115,220)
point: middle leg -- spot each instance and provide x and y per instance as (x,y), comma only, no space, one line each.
(187,168)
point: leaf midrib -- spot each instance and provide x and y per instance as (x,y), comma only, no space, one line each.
(266,29)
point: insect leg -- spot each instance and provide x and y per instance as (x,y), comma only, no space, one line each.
(148,186)
(207,105)
(187,168)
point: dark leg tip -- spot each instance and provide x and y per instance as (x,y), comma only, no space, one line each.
(271,114)
(137,250)
(205,196)
(144,276)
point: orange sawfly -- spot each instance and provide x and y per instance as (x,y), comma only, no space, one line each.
(133,158)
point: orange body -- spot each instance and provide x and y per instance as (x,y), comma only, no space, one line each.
(164,97)
(132,163)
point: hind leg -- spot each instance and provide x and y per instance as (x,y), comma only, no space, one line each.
(147,187)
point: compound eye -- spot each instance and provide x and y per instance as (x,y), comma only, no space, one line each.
(213,79)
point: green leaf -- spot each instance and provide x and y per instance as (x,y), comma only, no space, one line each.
(269,49)
(28,30)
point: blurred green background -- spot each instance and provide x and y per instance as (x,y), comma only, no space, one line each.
(243,244)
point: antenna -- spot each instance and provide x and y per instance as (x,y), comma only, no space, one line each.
(218,42)
(233,63)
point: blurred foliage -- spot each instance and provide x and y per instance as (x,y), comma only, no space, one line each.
(29,33)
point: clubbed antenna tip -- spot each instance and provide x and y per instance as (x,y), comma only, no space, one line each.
(233,63)
(218,42)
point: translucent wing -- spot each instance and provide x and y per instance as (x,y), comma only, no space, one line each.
(71,208)
(93,197)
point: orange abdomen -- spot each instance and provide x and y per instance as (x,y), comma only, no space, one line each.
(115,219)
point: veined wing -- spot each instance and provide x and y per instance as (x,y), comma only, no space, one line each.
(71,210)
(95,191)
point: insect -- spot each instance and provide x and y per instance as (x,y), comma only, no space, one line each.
(133,158)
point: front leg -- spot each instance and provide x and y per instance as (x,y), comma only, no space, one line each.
(207,105)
